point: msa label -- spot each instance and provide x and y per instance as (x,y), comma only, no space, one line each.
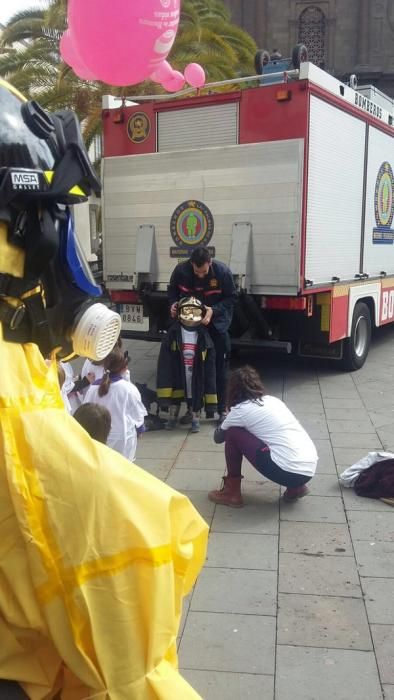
(25,181)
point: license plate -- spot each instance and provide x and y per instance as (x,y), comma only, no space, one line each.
(133,318)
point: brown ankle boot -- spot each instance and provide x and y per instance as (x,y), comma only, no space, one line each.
(295,493)
(229,494)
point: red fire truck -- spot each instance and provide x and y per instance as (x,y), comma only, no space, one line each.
(290,184)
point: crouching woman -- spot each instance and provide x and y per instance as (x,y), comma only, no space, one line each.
(262,429)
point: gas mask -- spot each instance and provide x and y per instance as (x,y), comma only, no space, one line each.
(190,312)
(44,168)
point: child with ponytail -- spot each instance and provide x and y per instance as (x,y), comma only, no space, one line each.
(123,400)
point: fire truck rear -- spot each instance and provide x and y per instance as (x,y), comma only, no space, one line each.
(290,184)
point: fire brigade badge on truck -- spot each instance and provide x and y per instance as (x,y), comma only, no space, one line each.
(191,225)
(138,127)
(384,205)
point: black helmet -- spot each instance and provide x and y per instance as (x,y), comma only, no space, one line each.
(42,155)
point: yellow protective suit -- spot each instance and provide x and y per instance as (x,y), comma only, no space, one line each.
(95,554)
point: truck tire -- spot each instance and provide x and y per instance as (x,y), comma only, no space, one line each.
(356,348)
(299,55)
(260,60)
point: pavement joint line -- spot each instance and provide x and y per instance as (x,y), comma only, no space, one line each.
(324,595)
(244,568)
(311,646)
(234,673)
(227,612)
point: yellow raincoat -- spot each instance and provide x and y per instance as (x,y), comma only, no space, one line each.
(95,553)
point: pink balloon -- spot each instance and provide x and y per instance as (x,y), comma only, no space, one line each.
(175,82)
(195,75)
(162,73)
(123,41)
(71,57)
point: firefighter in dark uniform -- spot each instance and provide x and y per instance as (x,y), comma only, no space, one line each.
(212,283)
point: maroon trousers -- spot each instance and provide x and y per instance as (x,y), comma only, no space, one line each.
(240,443)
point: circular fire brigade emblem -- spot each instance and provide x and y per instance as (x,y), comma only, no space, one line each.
(138,127)
(191,224)
(384,196)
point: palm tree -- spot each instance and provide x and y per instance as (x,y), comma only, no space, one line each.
(30,60)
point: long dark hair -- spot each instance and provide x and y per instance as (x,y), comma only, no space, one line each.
(114,363)
(244,385)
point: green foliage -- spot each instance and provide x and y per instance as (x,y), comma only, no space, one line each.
(30,60)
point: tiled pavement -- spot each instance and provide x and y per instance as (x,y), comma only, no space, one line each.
(296,601)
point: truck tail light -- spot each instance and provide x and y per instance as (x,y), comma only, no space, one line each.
(283,95)
(127,296)
(283,303)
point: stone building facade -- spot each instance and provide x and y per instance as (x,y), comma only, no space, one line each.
(343,36)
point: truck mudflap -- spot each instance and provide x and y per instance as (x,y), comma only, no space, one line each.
(284,346)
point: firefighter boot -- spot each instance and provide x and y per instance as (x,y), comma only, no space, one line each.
(196,422)
(230,492)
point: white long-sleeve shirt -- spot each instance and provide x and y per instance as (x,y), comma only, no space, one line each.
(271,421)
(124,403)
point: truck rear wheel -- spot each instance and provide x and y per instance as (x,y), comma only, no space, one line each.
(356,348)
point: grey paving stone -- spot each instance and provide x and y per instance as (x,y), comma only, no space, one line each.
(323,447)
(195,479)
(237,551)
(200,460)
(201,443)
(323,621)
(226,642)
(386,437)
(309,391)
(350,402)
(324,674)
(256,489)
(345,414)
(154,448)
(375,401)
(322,575)
(316,509)
(388,692)
(322,539)
(303,406)
(354,502)
(241,591)
(375,558)
(382,419)
(326,463)
(259,519)
(373,526)
(336,391)
(379,600)
(346,456)
(383,639)
(368,441)
(315,430)
(350,426)
(158,467)
(213,685)
(324,485)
